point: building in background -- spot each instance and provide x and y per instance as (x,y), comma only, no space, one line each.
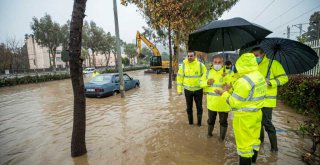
(38,57)
(100,60)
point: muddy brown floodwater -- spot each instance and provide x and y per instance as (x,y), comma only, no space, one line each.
(149,126)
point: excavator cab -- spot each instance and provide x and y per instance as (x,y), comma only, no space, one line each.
(155,61)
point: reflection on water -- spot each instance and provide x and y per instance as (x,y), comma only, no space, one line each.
(149,126)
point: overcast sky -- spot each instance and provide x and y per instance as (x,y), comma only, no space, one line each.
(275,15)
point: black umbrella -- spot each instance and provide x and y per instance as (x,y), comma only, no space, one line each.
(294,56)
(230,34)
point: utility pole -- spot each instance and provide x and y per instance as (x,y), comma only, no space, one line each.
(119,60)
(299,26)
(288,32)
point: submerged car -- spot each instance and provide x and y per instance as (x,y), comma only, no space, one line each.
(108,85)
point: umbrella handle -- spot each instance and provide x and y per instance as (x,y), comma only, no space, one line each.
(270,64)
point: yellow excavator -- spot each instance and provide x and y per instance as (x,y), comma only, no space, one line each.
(157,65)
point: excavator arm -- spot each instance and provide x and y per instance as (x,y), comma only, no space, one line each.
(153,48)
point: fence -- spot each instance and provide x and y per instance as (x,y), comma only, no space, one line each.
(315,45)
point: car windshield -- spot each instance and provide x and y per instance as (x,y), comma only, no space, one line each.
(102,78)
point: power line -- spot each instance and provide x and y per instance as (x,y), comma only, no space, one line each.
(285,12)
(264,10)
(295,18)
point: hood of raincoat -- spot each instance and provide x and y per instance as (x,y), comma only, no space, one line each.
(246,63)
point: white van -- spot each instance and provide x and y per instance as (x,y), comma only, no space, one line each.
(88,70)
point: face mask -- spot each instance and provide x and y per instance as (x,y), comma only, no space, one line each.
(217,67)
(259,59)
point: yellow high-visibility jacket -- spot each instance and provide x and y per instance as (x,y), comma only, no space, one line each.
(215,102)
(277,77)
(95,74)
(190,75)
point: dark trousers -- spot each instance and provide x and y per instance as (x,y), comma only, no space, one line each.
(267,120)
(197,97)
(223,118)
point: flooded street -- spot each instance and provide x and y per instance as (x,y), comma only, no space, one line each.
(149,126)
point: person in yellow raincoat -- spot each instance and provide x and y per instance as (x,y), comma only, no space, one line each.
(95,73)
(189,77)
(246,101)
(216,77)
(275,77)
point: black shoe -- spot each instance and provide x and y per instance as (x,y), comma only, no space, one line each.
(244,161)
(210,129)
(262,135)
(190,118)
(254,157)
(199,119)
(273,142)
(223,131)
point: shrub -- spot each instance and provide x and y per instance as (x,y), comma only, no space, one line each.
(113,70)
(302,93)
(32,79)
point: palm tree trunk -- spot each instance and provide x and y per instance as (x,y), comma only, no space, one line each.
(116,63)
(108,59)
(50,60)
(78,144)
(93,59)
(54,60)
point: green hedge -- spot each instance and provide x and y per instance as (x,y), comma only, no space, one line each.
(113,70)
(49,77)
(32,79)
(302,93)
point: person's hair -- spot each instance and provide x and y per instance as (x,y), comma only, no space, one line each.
(228,63)
(217,56)
(257,49)
(194,53)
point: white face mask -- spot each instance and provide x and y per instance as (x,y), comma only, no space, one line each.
(217,67)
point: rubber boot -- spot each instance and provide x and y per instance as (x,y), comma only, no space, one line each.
(254,157)
(210,129)
(199,119)
(262,134)
(244,161)
(223,131)
(273,142)
(190,118)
